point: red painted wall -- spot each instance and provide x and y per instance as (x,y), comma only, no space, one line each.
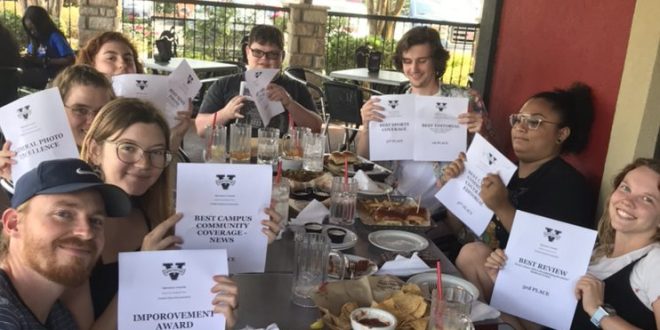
(543,44)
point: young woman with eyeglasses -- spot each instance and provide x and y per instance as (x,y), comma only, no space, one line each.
(128,144)
(547,126)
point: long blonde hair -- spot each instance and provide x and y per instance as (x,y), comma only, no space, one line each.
(114,118)
(605,231)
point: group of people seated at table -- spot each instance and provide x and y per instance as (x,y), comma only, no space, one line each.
(69,219)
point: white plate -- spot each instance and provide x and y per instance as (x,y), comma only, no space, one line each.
(429,279)
(349,241)
(398,241)
(383,188)
(373,268)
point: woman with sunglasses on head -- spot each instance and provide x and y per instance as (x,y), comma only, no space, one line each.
(128,144)
(264,50)
(548,125)
(621,288)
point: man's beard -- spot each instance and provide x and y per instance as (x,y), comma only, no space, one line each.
(43,259)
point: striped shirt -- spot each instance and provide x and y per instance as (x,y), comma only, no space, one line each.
(14,315)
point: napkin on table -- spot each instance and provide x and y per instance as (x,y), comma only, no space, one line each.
(365,183)
(315,211)
(482,311)
(402,266)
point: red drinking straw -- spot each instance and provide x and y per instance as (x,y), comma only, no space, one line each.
(438,281)
(210,144)
(278,177)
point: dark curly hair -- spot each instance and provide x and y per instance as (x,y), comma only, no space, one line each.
(576,111)
(420,35)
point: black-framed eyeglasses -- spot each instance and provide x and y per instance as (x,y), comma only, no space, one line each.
(130,153)
(272,55)
(82,112)
(530,122)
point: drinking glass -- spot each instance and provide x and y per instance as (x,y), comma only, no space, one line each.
(313,144)
(239,142)
(342,201)
(280,202)
(310,265)
(216,144)
(453,313)
(268,145)
(292,150)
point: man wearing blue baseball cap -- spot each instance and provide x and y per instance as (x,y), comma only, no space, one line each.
(51,238)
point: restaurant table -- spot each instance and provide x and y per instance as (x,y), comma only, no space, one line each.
(384,77)
(199,66)
(279,258)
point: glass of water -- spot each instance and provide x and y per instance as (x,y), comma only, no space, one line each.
(280,202)
(216,143)
(268,145)
(342,201)
(313,148)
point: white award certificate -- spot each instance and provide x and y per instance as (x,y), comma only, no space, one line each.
(38,129)
(393,138)
(147,87)
(256,81)
(438,135)
(183,85)
(461,194)
(169,289)
(223,206)
(545,259)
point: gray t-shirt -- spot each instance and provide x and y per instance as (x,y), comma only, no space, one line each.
(14,315)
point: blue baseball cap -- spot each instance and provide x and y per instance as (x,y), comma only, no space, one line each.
(63,176)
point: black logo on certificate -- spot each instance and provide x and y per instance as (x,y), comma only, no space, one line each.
(490,158)
(441,106)
(141,84)
(393,103)
(225,180)
(174,269)
(190,79)
(24,112)
(552,234)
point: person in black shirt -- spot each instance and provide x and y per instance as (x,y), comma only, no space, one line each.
(548,125)
(264,50)
(51,238)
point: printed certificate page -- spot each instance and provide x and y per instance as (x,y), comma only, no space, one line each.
(393,138)
(461,194)
(147,87)
(183,85)
(438,135)
(38,129)
(169,289)
(546,258)
(222,206)
(256,81)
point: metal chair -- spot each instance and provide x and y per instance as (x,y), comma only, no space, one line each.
(344,102)
(300,75)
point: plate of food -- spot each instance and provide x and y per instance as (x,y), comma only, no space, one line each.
(301,175)
(393,211)
(334,162)
(398,241)
(355,267)
(427,282)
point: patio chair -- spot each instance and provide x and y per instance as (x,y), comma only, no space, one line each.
(300,75)
(343,103)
